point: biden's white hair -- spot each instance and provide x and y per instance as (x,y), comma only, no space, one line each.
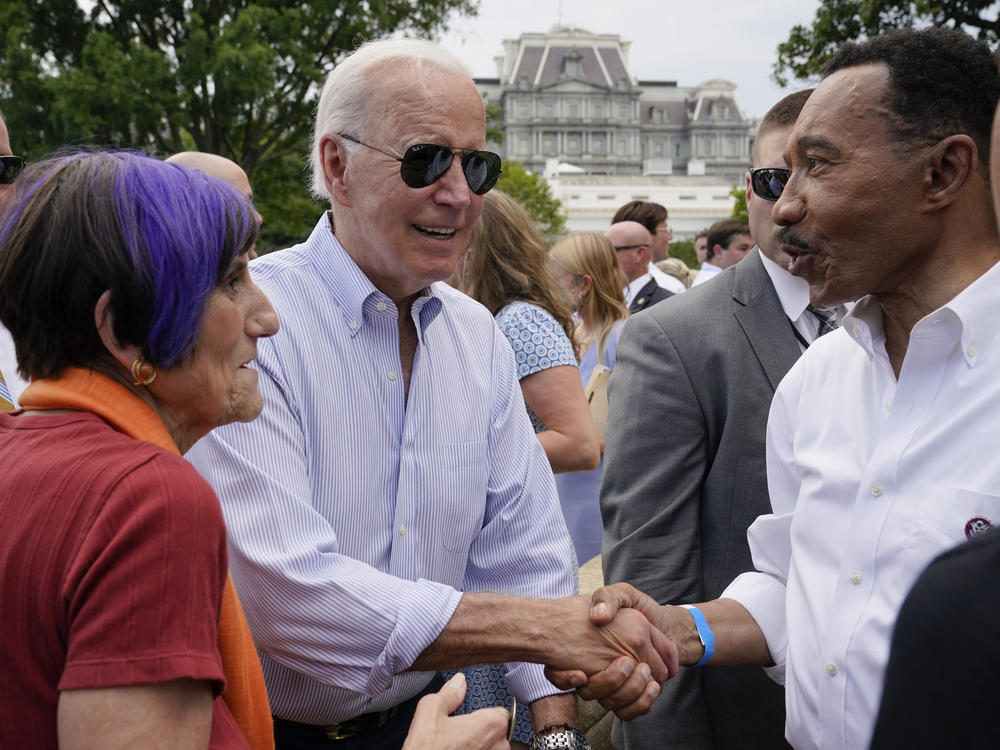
(352,86)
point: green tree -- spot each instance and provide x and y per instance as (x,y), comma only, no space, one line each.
(533,192)
(684,250)
(739,202)
(239,78)
(807,49)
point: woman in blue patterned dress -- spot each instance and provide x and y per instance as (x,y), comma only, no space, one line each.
(507,270)
(587,266)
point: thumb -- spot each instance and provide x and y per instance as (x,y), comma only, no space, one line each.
(452,692)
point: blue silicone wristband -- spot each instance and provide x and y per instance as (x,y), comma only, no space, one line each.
(704,633)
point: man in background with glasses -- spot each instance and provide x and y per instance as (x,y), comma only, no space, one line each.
(394,466)
(11,382)
(653,217)
(706,365)
(631,241)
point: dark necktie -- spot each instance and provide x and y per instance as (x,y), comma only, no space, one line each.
(827,319)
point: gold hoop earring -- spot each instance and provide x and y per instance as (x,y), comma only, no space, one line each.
(143,372)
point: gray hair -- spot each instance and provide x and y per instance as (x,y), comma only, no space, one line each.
(351,88)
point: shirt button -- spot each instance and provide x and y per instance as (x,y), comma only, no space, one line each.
(353,325)
(857,331)
(972,350)
(402,529)
(380,307)
(888,406)
(831,669)
(876,490)
(391,374)
(855,577)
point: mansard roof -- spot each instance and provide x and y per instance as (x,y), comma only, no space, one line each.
(544,60)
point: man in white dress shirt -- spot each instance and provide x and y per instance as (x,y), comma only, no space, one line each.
(393,467)
(728,242)
(879,438)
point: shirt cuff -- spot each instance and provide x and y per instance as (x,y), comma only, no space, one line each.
(528,682)
(422,615)
(763,596)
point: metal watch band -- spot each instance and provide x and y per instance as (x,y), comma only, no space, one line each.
(572,739)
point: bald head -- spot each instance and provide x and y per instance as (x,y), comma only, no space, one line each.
(220,168)
(631,240)
(215,166)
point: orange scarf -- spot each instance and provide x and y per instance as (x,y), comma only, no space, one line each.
(86,390)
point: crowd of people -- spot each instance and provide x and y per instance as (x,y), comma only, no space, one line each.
(337,496)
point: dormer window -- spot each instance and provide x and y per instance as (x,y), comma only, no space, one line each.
(571,64)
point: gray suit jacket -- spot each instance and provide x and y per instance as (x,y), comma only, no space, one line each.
(684,477)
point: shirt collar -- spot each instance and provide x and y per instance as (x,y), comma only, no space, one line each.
(792,291)
(971,316)
(353,292)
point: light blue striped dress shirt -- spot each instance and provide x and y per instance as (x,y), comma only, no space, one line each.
(355,516)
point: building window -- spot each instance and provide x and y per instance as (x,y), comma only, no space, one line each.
(622,111)
(677,150)
(522,146)
(732,147)
(549,145)
(597,144)
(599,111)
(522,109)
(607,197)
(573,144)
(657,149)
(706,147)
(572,66)
(547,110)
(574,110)
(621,148)
(723,111)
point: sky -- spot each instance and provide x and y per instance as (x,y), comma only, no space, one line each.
(689,41)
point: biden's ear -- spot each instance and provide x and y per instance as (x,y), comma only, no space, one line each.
(333,156)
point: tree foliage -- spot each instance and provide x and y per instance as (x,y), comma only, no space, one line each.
(533,193)
(739,193)
(684,249)
(807,50)
(239,78)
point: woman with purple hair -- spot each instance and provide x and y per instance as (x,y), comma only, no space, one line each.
(125,286)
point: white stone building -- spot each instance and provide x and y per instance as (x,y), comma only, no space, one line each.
(568,99)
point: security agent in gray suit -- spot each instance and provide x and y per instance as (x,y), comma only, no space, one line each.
(684,472)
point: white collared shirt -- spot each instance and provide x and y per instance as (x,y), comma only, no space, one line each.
(665,280)
(870,478)
(793,294)
(635,286)
(706,272)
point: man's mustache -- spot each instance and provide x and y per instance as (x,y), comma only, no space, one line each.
(788,236)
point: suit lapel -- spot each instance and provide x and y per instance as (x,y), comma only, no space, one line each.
(763,320)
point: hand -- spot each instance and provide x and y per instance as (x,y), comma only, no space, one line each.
(626,686)
(619,660)
(433,728)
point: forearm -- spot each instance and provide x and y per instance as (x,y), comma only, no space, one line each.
(571,452)
(554,709)
(738,639)
(492,628)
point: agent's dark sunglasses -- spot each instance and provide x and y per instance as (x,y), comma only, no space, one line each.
(10,168)
(767,183)
(424,164)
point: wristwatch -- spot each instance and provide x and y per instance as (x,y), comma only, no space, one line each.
(567,739)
